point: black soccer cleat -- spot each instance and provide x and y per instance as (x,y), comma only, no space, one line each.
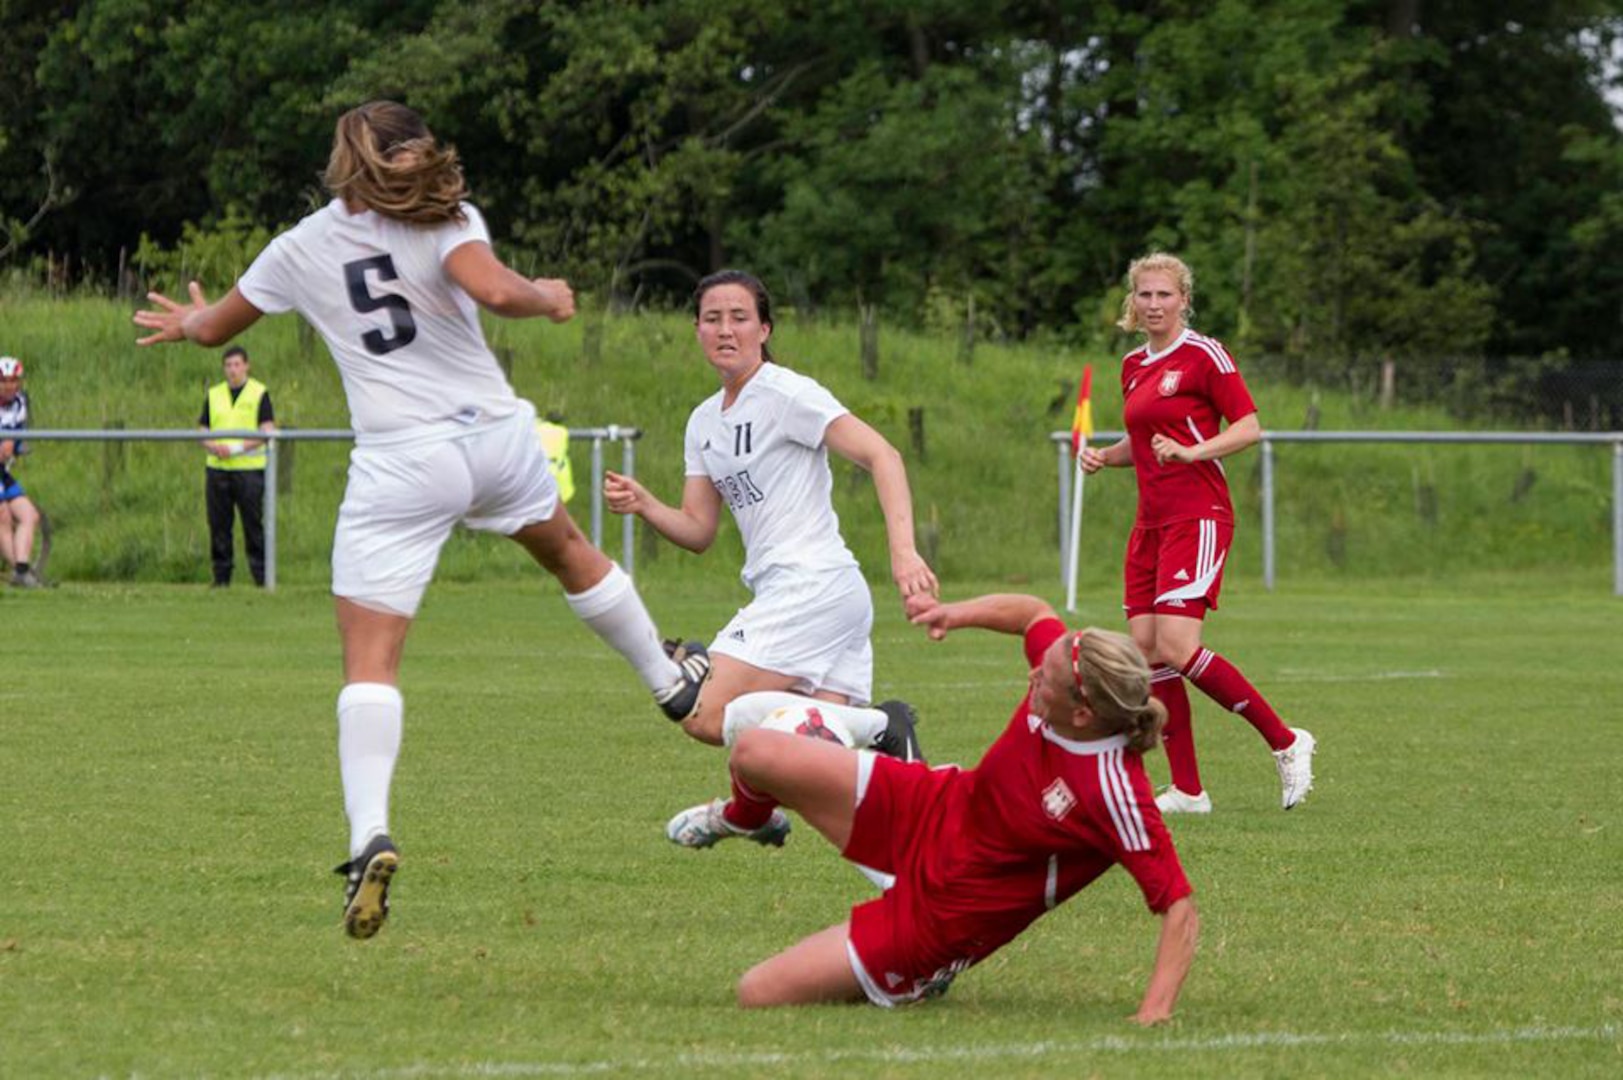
(900,739)
(366,887)
(680,700)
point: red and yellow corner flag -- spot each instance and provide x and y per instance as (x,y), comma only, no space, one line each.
(1082,423)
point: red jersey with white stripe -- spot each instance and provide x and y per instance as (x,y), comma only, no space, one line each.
(1183,392)
(988,850)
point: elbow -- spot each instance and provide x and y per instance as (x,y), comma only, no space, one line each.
(498,301)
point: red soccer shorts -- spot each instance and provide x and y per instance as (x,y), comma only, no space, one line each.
(894,824)
(1176,568)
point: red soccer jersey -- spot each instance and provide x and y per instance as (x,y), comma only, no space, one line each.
(1036,821)
(1183,393)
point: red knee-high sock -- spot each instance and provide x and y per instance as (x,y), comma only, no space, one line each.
(748,809)
(1222,682)
(1178,737)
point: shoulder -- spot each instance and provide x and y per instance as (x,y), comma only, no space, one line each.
(705,410)
(792,386)
(1212,351)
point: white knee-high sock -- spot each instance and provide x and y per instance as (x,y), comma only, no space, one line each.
(369,723)
(615,613)
(748,711)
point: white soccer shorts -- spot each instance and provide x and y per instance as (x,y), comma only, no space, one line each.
(813,627)
(403,500)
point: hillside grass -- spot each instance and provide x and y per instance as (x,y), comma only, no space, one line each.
(985,488)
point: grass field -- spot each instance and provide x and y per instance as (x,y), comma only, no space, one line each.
(1446,903)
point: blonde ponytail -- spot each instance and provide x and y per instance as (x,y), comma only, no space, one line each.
(1116,683)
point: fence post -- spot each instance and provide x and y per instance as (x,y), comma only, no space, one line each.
(597,490)
(268,511)
(1267,513)
(1617,518)
(628,522)
(1064,502)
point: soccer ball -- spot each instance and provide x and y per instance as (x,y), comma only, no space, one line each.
(808,720)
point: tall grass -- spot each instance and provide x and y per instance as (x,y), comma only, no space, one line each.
(984,486)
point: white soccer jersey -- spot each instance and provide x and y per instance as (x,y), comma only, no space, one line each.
(405,337)
(766,457)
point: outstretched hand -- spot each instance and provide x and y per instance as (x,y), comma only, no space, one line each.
(929,612)
(168,318)
(913,576)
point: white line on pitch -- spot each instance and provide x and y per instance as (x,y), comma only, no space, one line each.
(1288,675)
(1009,1051)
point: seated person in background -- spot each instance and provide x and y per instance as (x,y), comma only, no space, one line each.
(19,518)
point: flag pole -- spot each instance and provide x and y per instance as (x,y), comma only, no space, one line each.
(1081,432)
(1076,536)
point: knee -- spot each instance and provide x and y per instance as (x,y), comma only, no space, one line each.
(24,513)
(754,752)
(705,724)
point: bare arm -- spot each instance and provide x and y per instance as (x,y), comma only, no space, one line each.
(1006,613)
(693,526)
(1117,455)
(199,322)
(8,451)
(505,292)
(862,445)
(1180,930)
(1244,432)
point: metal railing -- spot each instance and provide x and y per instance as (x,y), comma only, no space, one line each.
(1062,442)
(597,436)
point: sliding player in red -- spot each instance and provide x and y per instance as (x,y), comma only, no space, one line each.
(979,854)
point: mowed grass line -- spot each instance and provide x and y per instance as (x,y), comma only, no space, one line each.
(1445,904)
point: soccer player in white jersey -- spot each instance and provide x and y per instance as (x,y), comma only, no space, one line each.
(760,446)
(392,273)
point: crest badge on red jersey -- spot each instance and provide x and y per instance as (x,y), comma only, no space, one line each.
(1169,383)
(1058,799)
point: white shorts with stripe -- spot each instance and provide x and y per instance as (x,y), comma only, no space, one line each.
(404,497)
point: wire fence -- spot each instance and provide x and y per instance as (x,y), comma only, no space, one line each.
(1612,439)
(597,437)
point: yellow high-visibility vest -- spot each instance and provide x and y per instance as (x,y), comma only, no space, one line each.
(555,444)
(239,415)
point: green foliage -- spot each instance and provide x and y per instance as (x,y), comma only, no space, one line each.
(219,254)
(1350,180)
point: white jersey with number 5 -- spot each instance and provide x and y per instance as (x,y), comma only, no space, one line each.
(405,337)
(766,458)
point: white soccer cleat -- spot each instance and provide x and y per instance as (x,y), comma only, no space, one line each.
(1295,764)
(1173,801)
(704,825)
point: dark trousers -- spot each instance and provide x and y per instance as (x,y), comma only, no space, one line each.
(229,491)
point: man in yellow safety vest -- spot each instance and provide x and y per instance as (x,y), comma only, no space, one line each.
(236,467)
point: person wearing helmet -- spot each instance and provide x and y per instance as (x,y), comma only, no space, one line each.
(18,517)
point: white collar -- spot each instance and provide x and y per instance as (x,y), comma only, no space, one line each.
(1084,747)
(1150,358)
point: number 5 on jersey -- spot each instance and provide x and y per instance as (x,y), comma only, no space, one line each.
(362,300)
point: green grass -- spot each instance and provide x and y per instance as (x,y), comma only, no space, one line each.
(1445,904)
